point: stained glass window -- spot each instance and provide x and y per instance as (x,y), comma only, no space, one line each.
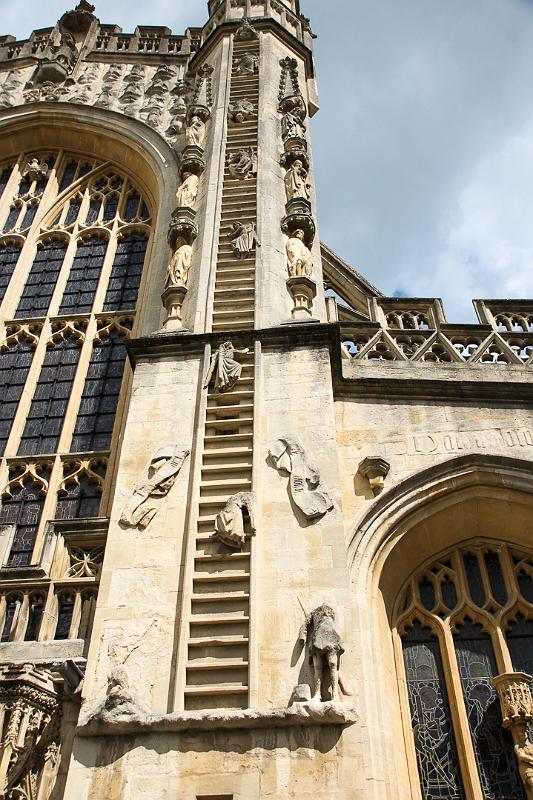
(520,642)
(64,615)
(42,279)
(96,415)
(430,716)
(35,617)
(15,361)
(23,507)
(126,274)
(13,605)
(81,497)
(47,411)
(9,255)
(84,275)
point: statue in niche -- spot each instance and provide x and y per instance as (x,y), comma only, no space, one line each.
(162,473)
(241,110)
(311,496)
(296,183)
(223,368)
(243,239)
(247,64)
(292,126)
(524,754)
(195,132)
(180,264)
(299,258)
(188,190)
(229,523)
(243,163)
(325,648)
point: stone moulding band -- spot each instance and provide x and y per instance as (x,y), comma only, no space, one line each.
(299,714)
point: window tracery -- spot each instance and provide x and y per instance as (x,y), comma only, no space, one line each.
(460,621)
(72,251)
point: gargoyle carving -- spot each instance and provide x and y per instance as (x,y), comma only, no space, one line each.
(162,472)
(311,496)
(229,523)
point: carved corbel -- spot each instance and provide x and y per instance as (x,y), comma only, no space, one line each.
(375,469)
(516,702)
(182,226)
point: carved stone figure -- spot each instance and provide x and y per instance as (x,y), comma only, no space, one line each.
(35,170)
(243,163)
(109,86)
(311,496)
(133,89)
(120,702)
(223,368)
(247,64)
(195,132)
(241,110)
(180,264)
(229,523)
(299,258)
(292,126)
(188,190)
(246,30)
(325,649)
(243,239)
(296,183)
(162,472)
(524,754)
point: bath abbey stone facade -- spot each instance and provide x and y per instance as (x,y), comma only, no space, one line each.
(264,532)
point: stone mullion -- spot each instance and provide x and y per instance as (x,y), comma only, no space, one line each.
(108,490)
(461,728)
(48,506)
(76,615)
(49,619)
(22,618)
(71,411)
(55,300)
(105,273)
(32,378)
(9,191)
(50,191)
(405,712)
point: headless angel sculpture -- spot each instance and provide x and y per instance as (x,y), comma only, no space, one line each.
(162,472)
(312,497)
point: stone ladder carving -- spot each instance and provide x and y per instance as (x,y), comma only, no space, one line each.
(233,306)
(217,666)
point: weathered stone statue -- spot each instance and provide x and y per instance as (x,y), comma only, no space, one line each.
(223,368)
(292,127)
(229,523)
(311,496)
(299,258)
(188,190)
(243,163)
(325,649)
(162,472)
(180,264)
(120,703)
(524,754)
(296,183)
(247,64)
(195,132)
(241,110)
(243,239)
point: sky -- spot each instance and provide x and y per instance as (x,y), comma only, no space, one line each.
(423,146)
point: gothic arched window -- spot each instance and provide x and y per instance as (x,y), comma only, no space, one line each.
(74,234)
(460,621)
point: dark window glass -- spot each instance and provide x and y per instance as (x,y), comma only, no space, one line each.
(436,752)
(126,274)
(23,508)
(64,616)
(110,208)
(493,745)
(497,582)
(68,175)
(132,204)
(98,405)
(520,642)
(35,618)
(5,175)
(12,218)
(12,609)
(84,275)
(449,594)
(15,361)
(73,210)
(525,583)
(79,499)
(47,411)
(42,280)
(474,580)
(427,594)
(9,256)
(28,218)
(93,210)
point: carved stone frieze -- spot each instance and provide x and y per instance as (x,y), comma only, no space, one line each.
(230,522)
(288,456)
(162,472)
(224,371)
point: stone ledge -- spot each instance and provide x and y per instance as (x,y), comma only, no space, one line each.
(108,724)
